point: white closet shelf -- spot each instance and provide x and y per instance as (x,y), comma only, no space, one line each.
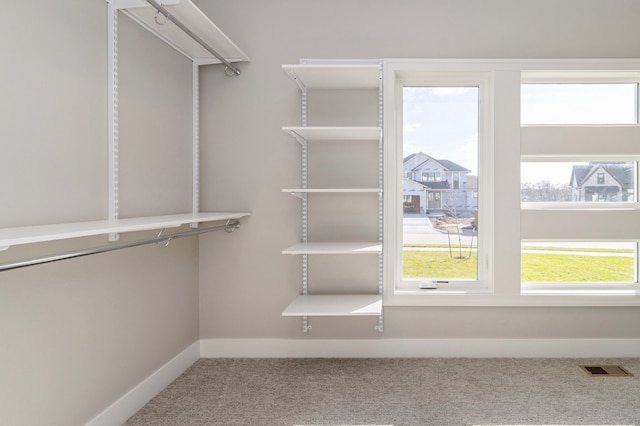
(190,16)
(335,305)
(335,76)
(335,248)
(36,234)
(334,133)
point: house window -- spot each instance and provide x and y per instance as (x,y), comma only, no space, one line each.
(442,117)
(430,176)
(443,121)
(568,203)
(544,134)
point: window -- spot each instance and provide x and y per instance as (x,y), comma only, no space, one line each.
(442,127)
(582,119)
(579,103)
(456,181)
(430,176)
(579,262)
(578,181)
(554,181)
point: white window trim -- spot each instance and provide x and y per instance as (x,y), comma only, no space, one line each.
(500,282)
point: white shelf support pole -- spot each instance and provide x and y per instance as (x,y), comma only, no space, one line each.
(196,140)
(380,326)
(306,327)
(112,63)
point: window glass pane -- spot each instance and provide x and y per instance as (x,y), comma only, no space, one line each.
(440,185)
(570,103)
(565,262)
(608,181)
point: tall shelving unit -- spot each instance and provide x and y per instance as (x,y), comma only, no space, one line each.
(184,27)
(335,75)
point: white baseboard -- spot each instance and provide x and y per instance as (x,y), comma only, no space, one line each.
(126,406)
(419,348)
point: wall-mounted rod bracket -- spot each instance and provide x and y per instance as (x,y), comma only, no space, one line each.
(230,68)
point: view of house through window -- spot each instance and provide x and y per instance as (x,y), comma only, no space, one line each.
(577,182)
(584,182)
(440,183)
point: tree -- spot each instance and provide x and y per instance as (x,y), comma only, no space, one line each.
(450,202)
(544,191)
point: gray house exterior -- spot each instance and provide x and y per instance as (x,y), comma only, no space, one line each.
(432,184)
(603,181)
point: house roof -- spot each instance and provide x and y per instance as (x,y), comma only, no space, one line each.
(452,167)
(409,157)
(440,185)
(621,172)
(446,164)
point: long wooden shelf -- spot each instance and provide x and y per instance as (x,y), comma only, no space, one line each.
(335,248)
(334,133)
(35,234)
(194,19)
(335,305)
(335,76)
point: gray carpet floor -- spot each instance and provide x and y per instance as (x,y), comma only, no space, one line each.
(396,392)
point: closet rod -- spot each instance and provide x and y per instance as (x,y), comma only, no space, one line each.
(167,15)
(229,227)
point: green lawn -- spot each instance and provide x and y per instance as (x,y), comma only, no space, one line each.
(536,267)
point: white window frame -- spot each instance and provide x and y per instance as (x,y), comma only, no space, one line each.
(604,221)
(499,281)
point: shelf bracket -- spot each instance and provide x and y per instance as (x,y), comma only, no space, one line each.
(302,141)
(298,81)
(301,195)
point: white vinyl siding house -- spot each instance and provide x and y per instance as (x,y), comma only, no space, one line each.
(602,181)
(431,184)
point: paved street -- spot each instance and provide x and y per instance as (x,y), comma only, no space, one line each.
(419,230)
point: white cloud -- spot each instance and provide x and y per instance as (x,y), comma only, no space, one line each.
(469,152)
(411,127)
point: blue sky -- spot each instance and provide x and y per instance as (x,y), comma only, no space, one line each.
(443,121)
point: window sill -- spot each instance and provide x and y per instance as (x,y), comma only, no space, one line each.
(584,205)
(527,298)
(580,289)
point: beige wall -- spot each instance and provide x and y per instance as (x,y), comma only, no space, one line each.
(246,283)
(77,335)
